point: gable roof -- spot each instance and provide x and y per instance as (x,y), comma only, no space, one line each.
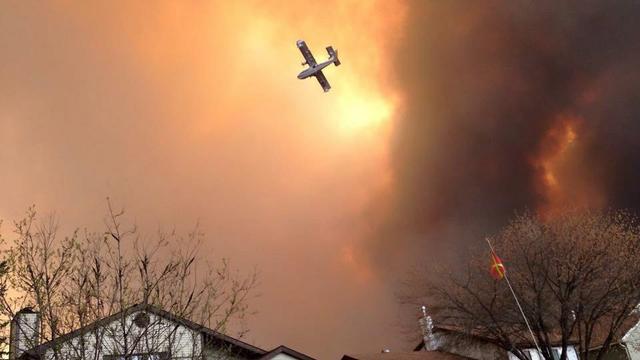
(629,326)
(248,350)
(406,355)
(620,336)
(285,350)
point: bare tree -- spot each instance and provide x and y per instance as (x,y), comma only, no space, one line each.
(576,274)
(79,279)
(4,270)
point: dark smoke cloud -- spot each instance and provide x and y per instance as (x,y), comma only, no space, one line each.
(485,82)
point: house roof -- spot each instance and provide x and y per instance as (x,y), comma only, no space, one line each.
(451,331)
(600,333)
(598,339)
(248,350)
(285,350)
(629,327)
(406,355)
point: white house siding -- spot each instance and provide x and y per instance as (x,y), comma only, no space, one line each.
(162,335)
(571,354)
(283,357)
(631,341)
(25,329)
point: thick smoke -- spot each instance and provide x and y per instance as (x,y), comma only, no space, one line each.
(504,105)
(510,105)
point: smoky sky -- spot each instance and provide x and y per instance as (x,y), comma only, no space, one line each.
(487,86)
(444,118)
(191,112)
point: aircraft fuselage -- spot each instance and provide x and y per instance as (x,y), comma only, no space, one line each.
(314,69)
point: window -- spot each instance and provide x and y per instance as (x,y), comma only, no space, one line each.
(529,354)
(141,320)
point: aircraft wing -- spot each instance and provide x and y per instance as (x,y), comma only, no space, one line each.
(306,53)
(323,81)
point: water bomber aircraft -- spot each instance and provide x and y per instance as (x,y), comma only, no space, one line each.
(314,68)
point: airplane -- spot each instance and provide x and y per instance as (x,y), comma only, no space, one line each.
(314,68)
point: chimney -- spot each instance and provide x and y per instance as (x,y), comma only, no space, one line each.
(25,332)
(426,325)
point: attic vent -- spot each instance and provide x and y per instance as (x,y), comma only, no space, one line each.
(141,320)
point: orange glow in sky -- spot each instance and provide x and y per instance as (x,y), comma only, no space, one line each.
(561,183)
(185,111)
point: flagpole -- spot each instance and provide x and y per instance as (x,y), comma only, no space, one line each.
(517,302)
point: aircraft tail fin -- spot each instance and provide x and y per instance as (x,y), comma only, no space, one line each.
(334,55)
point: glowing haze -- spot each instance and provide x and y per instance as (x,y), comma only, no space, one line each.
(191,111)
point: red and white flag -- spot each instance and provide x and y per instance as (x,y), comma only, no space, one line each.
(497,267)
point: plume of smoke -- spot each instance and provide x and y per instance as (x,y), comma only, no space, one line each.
(509,105)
